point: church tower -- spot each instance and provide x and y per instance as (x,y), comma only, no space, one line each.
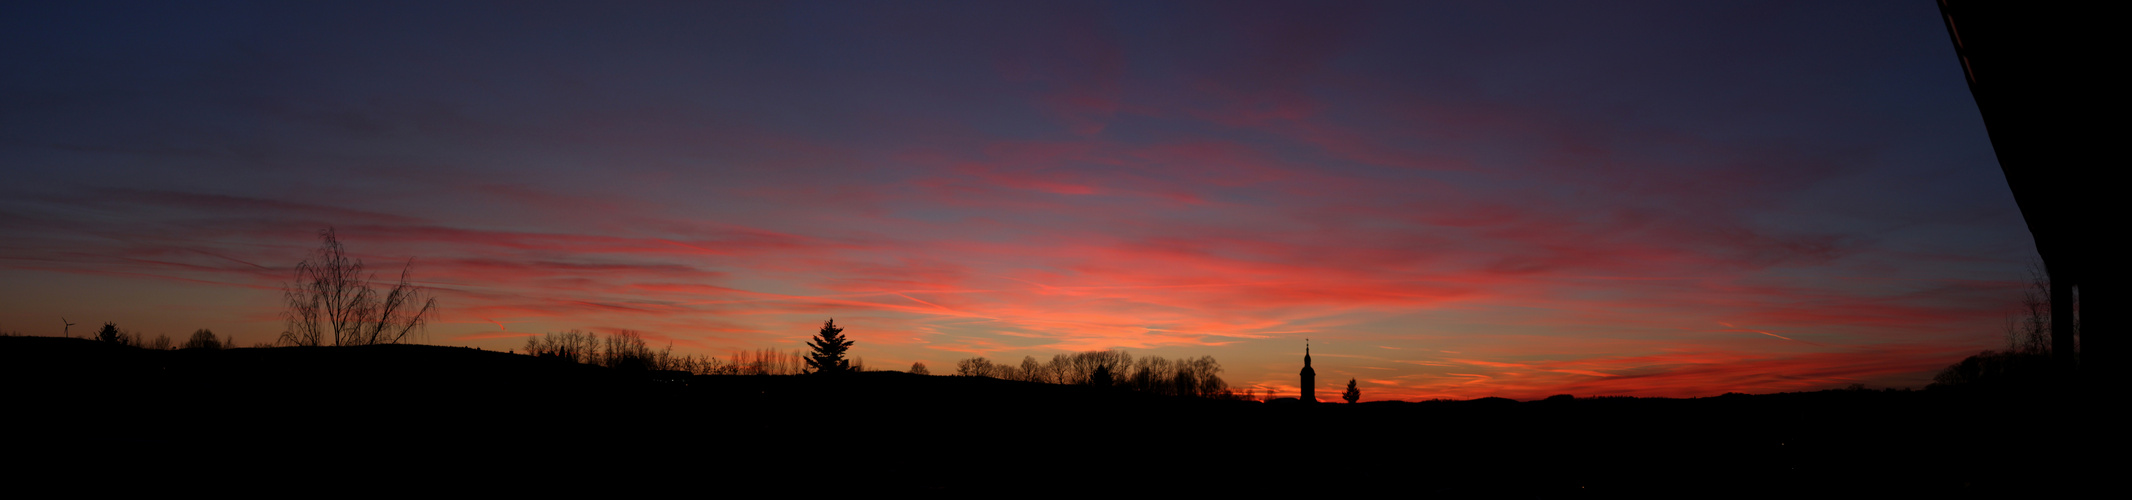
(1310,377)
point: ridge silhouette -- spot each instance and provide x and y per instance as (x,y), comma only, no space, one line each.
(979,434)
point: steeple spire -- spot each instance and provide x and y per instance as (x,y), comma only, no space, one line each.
(1310,376)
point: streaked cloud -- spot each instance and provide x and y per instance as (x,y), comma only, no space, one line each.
(1453,201)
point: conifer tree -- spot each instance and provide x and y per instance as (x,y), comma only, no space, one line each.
(111,334)
(1101,378)
(1352,393)
(829,346)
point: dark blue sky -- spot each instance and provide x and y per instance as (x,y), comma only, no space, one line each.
(1453,200)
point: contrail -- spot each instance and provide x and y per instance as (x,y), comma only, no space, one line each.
(1738,329)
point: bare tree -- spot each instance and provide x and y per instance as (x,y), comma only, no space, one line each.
(2030,333)
(333,301)
(626,350)
(764,362)
(974,367)
(918,368)
(2027,358)
(572,347)
(1079,368)
(1031,371)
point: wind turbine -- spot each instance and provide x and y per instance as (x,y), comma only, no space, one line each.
(67,329)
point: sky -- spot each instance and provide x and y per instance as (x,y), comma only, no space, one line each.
(1448,200)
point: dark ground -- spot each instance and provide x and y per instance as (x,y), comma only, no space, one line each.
(478,415)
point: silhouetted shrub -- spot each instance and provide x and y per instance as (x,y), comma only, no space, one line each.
(918,368)
(694,364)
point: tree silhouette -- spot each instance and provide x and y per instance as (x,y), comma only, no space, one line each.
(918,368)
(2027,358)
(111,334)
(332,301)
(202,339)
(2030,333)
(1031,371)
(829,345)
(570,347)
(1352,393)
(974,367)
(626,351)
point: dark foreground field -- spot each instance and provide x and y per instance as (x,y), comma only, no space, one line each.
(470,415)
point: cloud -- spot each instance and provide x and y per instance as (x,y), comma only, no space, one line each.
(1492,195)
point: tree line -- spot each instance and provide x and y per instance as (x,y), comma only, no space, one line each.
(333,301)
(1112,368)
(626,350)
(200,339)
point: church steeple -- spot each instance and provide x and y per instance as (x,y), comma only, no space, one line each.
(1310,377)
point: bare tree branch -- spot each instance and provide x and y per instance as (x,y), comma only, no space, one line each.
(332,300)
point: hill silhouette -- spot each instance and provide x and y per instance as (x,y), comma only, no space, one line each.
(895,431)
